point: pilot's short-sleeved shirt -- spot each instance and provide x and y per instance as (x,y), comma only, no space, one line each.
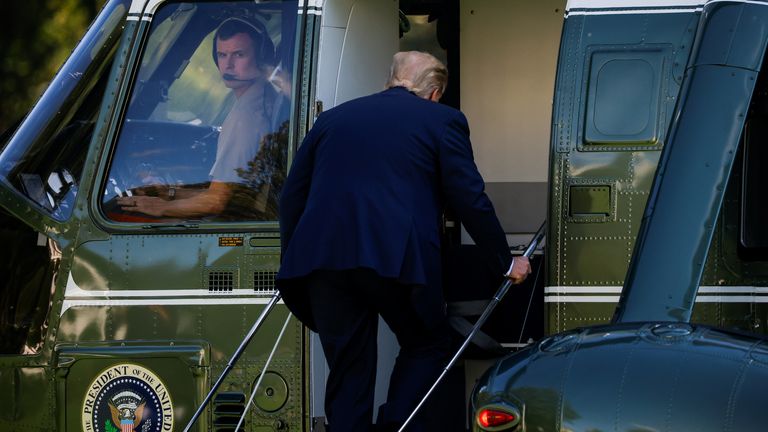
(241,135)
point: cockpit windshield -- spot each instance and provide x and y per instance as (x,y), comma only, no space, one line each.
(206,133)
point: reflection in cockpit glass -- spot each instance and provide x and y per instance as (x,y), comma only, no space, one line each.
(45,157)
(206,133)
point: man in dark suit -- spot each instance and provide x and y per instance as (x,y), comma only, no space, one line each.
(360,224)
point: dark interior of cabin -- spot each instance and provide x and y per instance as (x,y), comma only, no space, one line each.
(27,271)
(749,178)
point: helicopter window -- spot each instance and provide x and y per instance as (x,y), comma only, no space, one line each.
(45,158)
(206,133)
(753,231)
(624,91)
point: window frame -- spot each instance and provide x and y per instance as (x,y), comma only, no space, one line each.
(302,39)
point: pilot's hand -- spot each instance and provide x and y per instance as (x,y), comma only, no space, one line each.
(519,270)
(148,205)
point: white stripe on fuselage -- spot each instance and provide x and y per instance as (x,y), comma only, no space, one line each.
(624,7)
(148,6)
(236,301)
(313,7)
(625,4)
(609,294)
(630,12)
(76,296)
(137,6)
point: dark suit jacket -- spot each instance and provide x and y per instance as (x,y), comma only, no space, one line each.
(367,189)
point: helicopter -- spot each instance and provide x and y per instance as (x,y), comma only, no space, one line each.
(113,316)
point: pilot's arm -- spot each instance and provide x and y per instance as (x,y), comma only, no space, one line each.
(207,202)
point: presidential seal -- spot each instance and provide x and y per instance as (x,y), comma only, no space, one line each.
(127,398)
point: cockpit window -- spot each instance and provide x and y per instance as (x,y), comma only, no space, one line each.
(44,160)
(205,136)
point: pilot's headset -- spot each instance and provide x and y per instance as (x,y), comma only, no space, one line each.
(265,49)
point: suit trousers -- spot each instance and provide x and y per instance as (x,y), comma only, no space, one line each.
(346,305)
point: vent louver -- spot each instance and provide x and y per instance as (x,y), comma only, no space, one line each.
(227,409)
(221,281)
(264,282)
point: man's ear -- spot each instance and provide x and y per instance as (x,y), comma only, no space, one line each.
(435,95)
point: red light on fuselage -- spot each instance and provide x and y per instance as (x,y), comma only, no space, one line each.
(488,418)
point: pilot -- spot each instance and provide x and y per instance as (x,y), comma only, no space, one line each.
(244,55)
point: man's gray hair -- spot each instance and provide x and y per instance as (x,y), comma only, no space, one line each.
(418,72)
